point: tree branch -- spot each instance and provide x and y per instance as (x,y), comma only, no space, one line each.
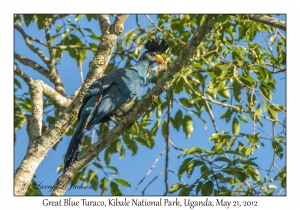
(24,76)
(55,96)
(54,77)
(269,21)
(30,45)
(35,154)
(104,23)
(28,62)
(66,47)
(141,107)
(48,91)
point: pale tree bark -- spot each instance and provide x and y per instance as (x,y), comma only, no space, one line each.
(63,181)
(269,21)
(40,144)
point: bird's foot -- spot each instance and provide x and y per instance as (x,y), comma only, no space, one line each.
(112,118)
(125,113)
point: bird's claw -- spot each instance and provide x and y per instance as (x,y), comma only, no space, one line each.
(125,113)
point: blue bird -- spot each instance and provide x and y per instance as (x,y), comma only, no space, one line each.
(110,94)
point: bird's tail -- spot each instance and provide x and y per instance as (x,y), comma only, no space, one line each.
(75,143)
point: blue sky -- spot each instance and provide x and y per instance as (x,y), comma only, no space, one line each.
(131,168)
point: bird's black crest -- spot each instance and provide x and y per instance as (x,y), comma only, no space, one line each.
(156,44)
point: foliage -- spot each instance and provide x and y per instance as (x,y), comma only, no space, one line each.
(235,71)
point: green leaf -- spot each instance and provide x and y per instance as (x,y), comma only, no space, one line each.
(242,119)
(207,188)
(248,151)
(226,115)
(112,148)
(28,19)
(185,102)
(254,173)
(199,187)
(113,168)
(78,17)
(82,56)
(273,187)
(94,182)
(224,159)
(122,152)
(232,170)
(164,128)
(95,37)
(40,21)
(122,182)
(178,119)
(91,16)
(238,172)
(115,189)
(192,150)
(103,185)
(33,189)
(97,165)
(131,144)
(91,175)
(175,187)
(58,27)
(272,113)
(191,166)
(278,149)
(183,167)
(236,91)
(53,38)
(185,191)
(187,126)
(235,127)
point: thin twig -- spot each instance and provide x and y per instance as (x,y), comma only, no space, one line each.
(210,112)
(147,174)
(23,75)
(54,77)
(161,173)
(30,45)
(66,47)
(273,160)
(140,27)
(81,74)
(167,137)
(278,31)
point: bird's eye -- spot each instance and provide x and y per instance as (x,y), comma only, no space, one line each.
(152,54)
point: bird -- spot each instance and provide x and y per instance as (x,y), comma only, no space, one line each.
(110,94)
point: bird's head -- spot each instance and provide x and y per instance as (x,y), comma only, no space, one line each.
(155,47)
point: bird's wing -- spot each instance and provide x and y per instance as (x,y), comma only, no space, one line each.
(108,93)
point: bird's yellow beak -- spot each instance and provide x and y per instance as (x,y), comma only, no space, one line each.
(159,59)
